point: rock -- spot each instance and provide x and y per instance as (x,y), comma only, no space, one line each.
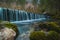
(6,24)
(7,34)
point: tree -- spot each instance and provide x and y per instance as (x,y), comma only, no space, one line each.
(52,6)
(34,2)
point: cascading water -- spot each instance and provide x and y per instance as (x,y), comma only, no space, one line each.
(17,15)
(22,19)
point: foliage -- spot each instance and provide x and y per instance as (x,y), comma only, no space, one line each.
(50,26)
(12,26)
(34,2)
(22,2)
(52,7)
(11,1)
(0,21)
(52,35)
(50,4)
(38,35)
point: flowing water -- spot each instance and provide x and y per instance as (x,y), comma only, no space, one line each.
(24,20)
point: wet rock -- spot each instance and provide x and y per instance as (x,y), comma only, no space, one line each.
(8,31)
(7,34)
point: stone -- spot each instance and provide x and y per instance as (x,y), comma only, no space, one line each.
(7,34)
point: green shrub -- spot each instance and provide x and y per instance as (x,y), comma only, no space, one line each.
(50,26)
(38,35)
(52,35)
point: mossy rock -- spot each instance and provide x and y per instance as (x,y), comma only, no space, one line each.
(54,26)
(37,35)
(10,26)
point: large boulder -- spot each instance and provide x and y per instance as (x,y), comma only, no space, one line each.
(9,30)
(7,34)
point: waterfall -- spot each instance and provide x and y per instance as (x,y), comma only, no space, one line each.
(17,15)
(1,14)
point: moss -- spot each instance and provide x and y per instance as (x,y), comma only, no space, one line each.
(42,35)
(0,21)
(37,35)
(52,35)
(50,26)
